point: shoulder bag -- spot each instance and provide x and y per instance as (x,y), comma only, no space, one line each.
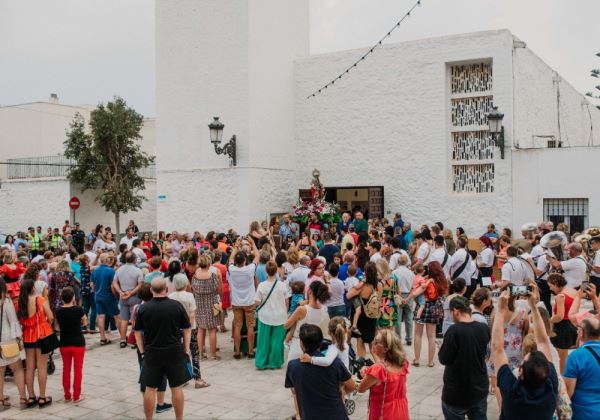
(461,268)
(48,343)
(268,296)
(384,392)
(9,349)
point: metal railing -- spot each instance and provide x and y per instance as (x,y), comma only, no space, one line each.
(52,166)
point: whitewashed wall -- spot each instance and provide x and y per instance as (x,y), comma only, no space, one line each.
(538,92)
(232,59)
(91,213)
(387,123)
(25,203)
(554,173)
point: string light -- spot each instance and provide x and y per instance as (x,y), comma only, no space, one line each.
(369,52)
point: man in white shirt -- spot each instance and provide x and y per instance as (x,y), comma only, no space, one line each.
(243,283)
(574,268)
(440,255)
(397,252)
(460,261)
(374,248)
(595,269)
(91,255)
(404,282)
(128,239)
(423,251)
(513,270)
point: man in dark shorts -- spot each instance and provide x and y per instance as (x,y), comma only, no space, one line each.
(164,346)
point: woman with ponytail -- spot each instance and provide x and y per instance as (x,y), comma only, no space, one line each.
(386,379)
(338,348)
(312,313)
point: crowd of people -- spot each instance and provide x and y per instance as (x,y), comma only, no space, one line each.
(506,313)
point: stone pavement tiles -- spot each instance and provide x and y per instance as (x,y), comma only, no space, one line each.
(237,391)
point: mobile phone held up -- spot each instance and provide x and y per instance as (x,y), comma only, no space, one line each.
(585,286)
(520,290)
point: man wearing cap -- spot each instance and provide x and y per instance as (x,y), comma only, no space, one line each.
(78,236)
(574,268)
(463,354)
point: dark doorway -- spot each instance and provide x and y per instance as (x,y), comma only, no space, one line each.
(369,200)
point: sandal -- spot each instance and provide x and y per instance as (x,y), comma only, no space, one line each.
(123,344)
(431,364)
(23,402)
(203,357)
(215,358)
(5,404)
(201,383)
(237,356)
(105,342)
(416,364)
(47,401)
(251,355)
(31,401)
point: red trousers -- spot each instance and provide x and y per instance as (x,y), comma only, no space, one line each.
(72,356)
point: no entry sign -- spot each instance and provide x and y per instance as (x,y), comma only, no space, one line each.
(74,203)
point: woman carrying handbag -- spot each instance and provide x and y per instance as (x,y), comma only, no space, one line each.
(386,379)
(38,339)
(10,347)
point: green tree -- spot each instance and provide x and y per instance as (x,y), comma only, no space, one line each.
(108,157)
(595,73)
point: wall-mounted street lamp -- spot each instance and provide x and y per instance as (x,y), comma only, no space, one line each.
(216,136)
(497,129)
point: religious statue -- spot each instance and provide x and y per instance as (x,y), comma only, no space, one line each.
(317,190)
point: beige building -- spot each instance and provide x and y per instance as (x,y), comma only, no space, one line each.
(34,189)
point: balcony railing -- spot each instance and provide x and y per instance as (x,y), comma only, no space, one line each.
(52,166)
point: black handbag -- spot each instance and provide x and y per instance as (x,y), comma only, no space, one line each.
(49,343)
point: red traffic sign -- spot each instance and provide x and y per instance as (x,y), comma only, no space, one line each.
(74,203)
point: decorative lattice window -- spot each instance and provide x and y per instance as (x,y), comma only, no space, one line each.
(472,145)
(471,78)
(471,111)
(478,178)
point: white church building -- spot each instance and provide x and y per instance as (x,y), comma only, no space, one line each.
(406,130)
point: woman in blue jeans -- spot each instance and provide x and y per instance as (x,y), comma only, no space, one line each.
(336,305)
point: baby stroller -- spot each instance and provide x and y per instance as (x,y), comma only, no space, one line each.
(356,364)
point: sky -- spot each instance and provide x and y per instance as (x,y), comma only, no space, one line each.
(87,51)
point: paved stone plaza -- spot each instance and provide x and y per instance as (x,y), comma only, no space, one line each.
(237,390)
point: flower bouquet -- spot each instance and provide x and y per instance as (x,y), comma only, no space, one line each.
(325,211)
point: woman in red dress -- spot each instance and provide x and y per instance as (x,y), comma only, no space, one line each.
(11,272)
(386,379)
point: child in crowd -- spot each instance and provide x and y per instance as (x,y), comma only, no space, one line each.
(338,332)
(297,296)
(72,344)
(419,280)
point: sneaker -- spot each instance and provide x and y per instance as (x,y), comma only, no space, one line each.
(163,408)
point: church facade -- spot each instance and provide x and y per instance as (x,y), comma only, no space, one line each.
(406,130)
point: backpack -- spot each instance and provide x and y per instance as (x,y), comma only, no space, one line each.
(372,308)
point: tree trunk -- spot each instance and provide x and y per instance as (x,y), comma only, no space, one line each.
(117,229)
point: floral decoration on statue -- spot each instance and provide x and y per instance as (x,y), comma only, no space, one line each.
(326,211)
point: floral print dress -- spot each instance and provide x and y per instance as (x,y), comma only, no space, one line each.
(389,313)
(513,339)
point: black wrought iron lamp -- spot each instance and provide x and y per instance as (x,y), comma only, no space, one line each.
(497,129)
(216,136)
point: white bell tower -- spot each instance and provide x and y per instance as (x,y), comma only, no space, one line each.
(232,59)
